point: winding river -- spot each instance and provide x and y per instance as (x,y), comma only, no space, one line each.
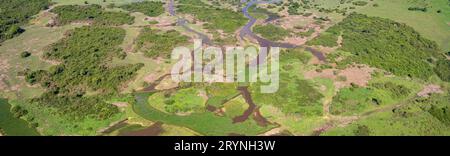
(183,23)
(246,31)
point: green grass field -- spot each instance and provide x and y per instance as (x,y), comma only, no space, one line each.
(432,25)
(388,123)
(205,123)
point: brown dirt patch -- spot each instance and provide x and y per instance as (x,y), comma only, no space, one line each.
(15,87)
(296,40)
(359,75)
(355,74)
(52,62)
(315,60)
(335,122)
(159,60)
(326,73)
(273,132)
(164,23)
(166,83)
(3,85)
(430,89)
(151,77)
(288,22)
(4,67)
(120,104)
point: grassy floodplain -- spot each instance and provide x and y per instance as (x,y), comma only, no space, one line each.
(205,123)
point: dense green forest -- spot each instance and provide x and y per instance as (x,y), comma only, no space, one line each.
(271,32)
(16,13)
(149,8)
(84,55)
(386,44)
(437,106)
(94,13)
(213,16)
(325,39)
(443,69)
(156,43)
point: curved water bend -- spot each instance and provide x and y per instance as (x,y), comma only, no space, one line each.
(183,23)
(246,30)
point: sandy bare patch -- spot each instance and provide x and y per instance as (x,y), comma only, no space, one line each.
(167,83)
(289,22)
(15,87)
(357,74)
(4,67)
(430,89)
(192,20)
(45,18)
(52,62)
(184,113)
(159,60)
(296,40)
(240,42)
(129,48)
(3,85)
(164,23)
(150,78)
(323,88)
(120,104)
(203,94)
(83,22)
(326,73)
(315,60)
(272,132)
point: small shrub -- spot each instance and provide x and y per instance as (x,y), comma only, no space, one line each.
(25,54)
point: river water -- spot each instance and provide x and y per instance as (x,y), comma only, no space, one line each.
(246,30)
(184,23)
